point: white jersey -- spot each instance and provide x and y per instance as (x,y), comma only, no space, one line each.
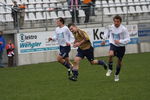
(117,33)
(63,35)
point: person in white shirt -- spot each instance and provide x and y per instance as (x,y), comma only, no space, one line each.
(118,36)
(64,38)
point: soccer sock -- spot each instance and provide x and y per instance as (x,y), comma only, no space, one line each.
(66,65)
(110,64)
(117,70)
(75,72)
(100,62)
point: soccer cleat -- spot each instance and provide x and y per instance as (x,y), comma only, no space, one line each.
(73,78)
(108,72)
(69,72)
(116,78)
(105,65)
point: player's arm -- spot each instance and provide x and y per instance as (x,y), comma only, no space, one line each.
(106,34)
(69,37)
(85,39)
(126,39)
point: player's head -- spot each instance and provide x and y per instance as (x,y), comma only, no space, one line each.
(117,20)
(72,27)
(60,21)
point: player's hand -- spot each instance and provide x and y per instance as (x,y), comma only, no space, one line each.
(68,44)
(49,39)
(117,41)
(103,43)
(77,44)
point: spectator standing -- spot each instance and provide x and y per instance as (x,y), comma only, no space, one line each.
(14,13)
(2,46)
(10,53)
(87,9)
(21,14)
(74,9)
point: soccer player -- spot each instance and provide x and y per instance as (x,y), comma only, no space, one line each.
(64,38)
(118,38)
(85,49)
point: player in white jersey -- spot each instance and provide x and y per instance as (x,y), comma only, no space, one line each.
(118,36)
(64,38)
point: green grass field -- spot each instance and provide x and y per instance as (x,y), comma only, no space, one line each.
(48,81)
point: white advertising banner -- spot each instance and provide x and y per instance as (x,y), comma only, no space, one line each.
(38,41)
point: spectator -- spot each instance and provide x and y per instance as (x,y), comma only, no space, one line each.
(22,14)
(74,9)
(14,13)
(2,46)
(93,8)
(87,7)
(10,53)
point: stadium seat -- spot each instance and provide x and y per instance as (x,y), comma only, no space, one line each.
(144,8)
(30,8)
(45,6)
(53,15)
(39,16)
(106,11)
(113,11)
(46,1)
(52,5)
(59,5)
(136,2)
(2,10)
(132,10)
(31,1)
(119,10)
(98,4)
(3,1)
(39,1)
(46,15)
(138,9)
(26,18)
(9,2)
(61,14)
(143,2)
(125,10)
(8,18)
(130,2)
(67,14)
(123,2)
(65,6)
(81,13)
(53,1)
(38,7)
(2,19)
(105,4)
(117,3)
(31,16)
(111,3)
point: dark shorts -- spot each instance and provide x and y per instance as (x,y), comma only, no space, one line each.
(64,51)
(118,51)
(88,53)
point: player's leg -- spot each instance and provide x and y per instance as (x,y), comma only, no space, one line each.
(90,56)
(75,68)
(120,54)
(111,54)
(63,56)
(77,60)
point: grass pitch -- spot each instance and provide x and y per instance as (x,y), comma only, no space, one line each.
(49,81)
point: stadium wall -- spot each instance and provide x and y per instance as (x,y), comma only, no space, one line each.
(30,56)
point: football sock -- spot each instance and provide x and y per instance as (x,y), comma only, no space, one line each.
(66,65)
(75,72)
(100,62)
(110,64)
(117,70)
